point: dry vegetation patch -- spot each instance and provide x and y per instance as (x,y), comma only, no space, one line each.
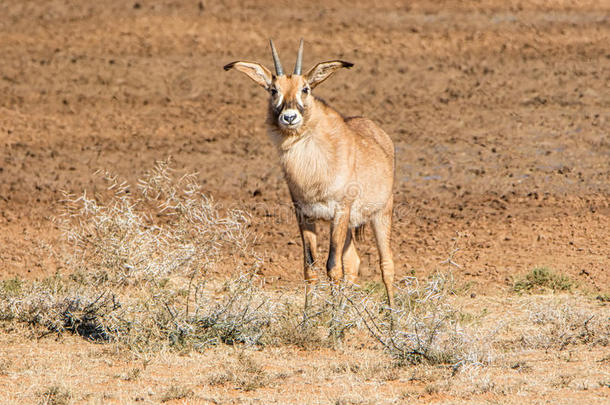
(499,114)
(138,280)
(138,276)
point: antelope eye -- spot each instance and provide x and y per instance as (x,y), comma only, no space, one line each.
(305,90)
(273,91)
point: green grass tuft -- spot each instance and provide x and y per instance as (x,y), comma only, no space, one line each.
(12,286)
(541,279)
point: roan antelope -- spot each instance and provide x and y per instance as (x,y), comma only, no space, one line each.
(337,169)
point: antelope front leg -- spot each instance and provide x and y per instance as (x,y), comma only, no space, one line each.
(338,234)
(307,227)
(351,261)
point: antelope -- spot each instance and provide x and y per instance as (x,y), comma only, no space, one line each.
(338,169)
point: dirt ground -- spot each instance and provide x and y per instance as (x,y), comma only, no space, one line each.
(68,369)
(500,114)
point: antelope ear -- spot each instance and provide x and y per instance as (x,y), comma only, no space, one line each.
(324,70)
(257,72)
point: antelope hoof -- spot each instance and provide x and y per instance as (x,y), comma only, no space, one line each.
(335,274)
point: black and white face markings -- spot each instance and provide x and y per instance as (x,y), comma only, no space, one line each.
(287,101)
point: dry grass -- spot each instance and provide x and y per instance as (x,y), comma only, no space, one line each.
(565,323)
(138,280)
(138,277)
(137,274)
(356,372)
(141,234)
(55,395)
(175,393)
(5,366)
(242,373)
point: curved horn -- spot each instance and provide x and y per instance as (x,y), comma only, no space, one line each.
(297,66)
(276,60)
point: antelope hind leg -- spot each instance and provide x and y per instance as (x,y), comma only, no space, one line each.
(382,226)
(307,227)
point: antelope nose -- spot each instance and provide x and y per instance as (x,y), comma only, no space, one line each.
(289,117)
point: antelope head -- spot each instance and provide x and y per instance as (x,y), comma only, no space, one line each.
(290,96)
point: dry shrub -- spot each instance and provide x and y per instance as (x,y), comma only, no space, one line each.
(146,319)
(54,395)
(423,326)
(138,270)
(561,325)
(164,226)
(556,323)
(175,393)
(138,276)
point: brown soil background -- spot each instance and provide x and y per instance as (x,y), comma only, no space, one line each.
(500,114)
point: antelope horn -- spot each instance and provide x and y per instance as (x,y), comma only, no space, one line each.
(276,60)
(297,66)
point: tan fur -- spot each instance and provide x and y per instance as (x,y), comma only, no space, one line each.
(339,170)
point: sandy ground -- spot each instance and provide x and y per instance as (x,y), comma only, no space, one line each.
(500,113)
(68,369)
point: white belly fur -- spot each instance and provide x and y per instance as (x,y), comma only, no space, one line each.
(320,210)
(326,210)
